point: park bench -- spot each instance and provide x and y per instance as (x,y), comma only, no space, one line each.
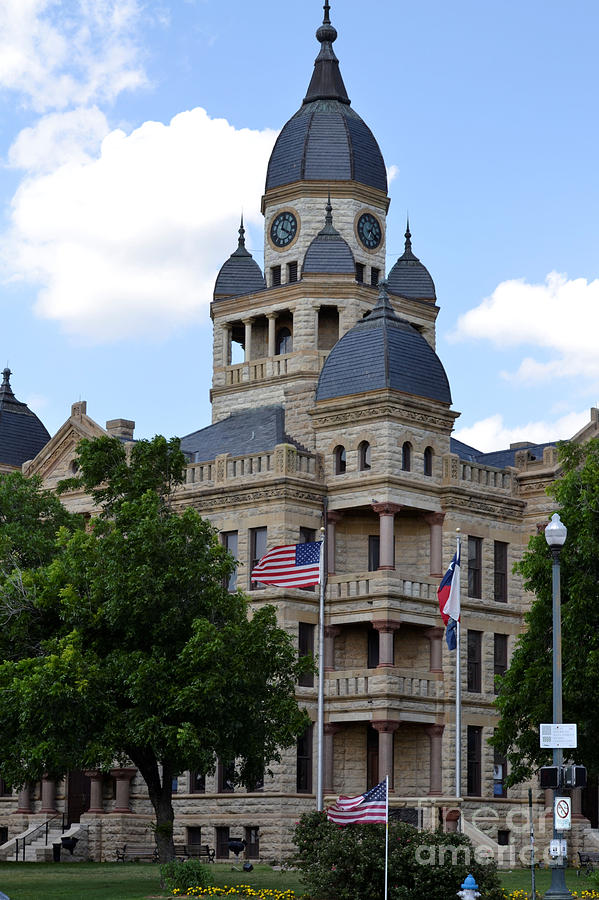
(195,851)
(588,860)
(137,852)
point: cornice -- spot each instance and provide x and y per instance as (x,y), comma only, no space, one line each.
(223,497)
(383,404)
(340,190)
(500,507)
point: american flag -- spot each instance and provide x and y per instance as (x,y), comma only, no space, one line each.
(293,565)
(368,807)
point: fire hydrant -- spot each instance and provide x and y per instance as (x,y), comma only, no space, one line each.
(469,889)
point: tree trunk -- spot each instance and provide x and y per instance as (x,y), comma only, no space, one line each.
(160,794)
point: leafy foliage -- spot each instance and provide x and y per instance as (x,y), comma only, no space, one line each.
(348,862)
(179,876)
(525,696)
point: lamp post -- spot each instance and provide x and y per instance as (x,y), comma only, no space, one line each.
(555,535)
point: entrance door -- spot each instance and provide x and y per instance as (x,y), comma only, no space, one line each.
(78,794)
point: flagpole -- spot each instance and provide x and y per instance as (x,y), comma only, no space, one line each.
(320,716)
(386,835)
(458,706)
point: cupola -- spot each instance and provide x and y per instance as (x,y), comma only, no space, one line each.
(409,277)
(329,253)
(241,274)
(22,434)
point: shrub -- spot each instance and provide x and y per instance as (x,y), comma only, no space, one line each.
(183,875)
(349,862)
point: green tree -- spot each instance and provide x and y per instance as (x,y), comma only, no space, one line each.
(150,658)
(525,695)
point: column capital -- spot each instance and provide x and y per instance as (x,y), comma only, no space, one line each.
(248,320)
(334,515)
(269,315)
(434,633)
(386,625)
(331,631)
(435,730)
(385,726)
(434,518)
(332,728)
(124,772)
(386,509)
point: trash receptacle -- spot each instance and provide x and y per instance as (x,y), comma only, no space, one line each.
(56,848)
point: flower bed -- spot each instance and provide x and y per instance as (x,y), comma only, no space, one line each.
(240,890)
(525,895)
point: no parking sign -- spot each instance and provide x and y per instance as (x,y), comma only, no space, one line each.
(562,814)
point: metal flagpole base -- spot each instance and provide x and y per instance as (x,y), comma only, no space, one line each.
(558,889)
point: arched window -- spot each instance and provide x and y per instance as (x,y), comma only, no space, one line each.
(364,456)
(340,461)
(284,341)
(406,457)
(428,461)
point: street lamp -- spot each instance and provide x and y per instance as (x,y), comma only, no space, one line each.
(555,535)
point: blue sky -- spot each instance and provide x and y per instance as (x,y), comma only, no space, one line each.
(132,133)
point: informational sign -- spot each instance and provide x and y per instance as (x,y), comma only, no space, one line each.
(557,737)
(562,814)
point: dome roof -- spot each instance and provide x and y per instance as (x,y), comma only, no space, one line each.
(241,274)
(22,435)
(383,351)
(329,253)
(326,140)
(409,278)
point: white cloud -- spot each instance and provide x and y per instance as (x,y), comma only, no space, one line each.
(492,434)
(561,316)
(59,138)
(128,242)
(392,173)
(56,58)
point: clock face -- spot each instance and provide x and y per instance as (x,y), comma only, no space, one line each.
(369,231)
(283,229)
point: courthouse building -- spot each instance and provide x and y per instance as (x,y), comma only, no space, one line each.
(340,400)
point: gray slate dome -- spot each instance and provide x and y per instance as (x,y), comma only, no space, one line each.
(22,435)
(241,274)
(329,253)
(383,351)
(326,140)
(409,278)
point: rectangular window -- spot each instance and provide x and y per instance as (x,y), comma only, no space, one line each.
(257,551)
(222,842)
(475,567)
(499,775)
(475,661)
(194,835)
(292,271)
(500,654)
(197,783)
(275,276)
(373,648)
(374,552)
(307,535)
(500,571)
(225,778)
(374,276)
(304,762)
(474,760)
(360,272)
(306,648)
(5,789)
(174,784)
(252,842)
(230,541)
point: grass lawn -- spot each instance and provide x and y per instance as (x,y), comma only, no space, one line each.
(519,879)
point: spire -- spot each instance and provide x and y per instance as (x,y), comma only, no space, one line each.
(5,388)
(329,228)
(382,308)
(408,235)
(241,248)
(327,82)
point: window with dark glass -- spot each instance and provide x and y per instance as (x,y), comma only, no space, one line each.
(340,460)
(374,276)
(304,762)
(230,541)
(475,660)
(257,551)
(225,778)
(194,834)
(5,789)
(474,745)
(499,655)
(406,456)
(275,275)
(475,567)
(292,271)
(284,341)
(374,552)
(500,571)
(222,842)
(174,784)
(252,841)
(360,267)
(307,535)
(499,775)
(306,648)
(373,648)
(428,461)
(364,456)
(197,783)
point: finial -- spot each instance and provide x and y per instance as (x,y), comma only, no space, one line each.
(327,13)
(6,373)
(329,209)
(241,233)
(329,228)
(408,235)
(241,248)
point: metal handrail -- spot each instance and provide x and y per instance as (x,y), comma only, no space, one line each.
(44,825)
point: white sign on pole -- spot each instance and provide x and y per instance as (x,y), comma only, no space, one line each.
(557,737)
(562,814)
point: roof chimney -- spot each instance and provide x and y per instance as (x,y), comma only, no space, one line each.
(121,428)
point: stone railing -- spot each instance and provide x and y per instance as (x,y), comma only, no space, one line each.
(472,475)
(365,584)
(283,460)
(369,683)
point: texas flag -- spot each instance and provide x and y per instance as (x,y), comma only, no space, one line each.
(449,599)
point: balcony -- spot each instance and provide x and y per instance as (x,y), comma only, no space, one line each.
(358,692)
(362,595)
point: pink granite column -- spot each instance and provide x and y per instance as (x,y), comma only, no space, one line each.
(330,730)
(332,519)
(386,729)
(330,633)
(435,521)
(435,734)
(386,630)
(386,513)
(435,636)
(123,784)
(96,800)
(48,795)
(24,800)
